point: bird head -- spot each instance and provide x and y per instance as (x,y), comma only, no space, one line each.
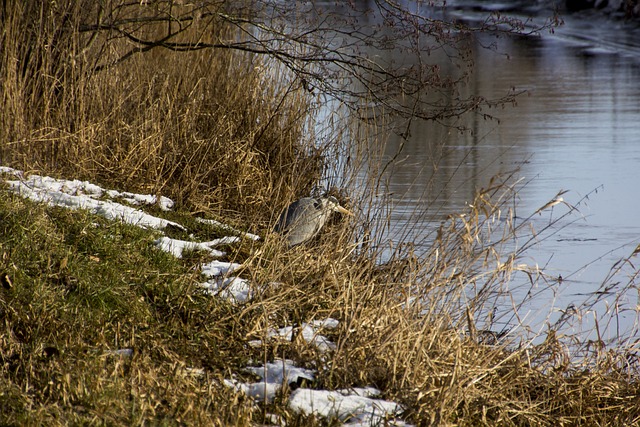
(332,203)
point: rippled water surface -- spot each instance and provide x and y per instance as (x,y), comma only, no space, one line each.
(577,128)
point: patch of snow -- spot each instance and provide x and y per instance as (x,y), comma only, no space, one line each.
(279,371)
(360,391)
(219,268)
(275,420)
(73,187)
(125,352)
(76,194)
(273,375)
(261,391)
(308,331)
(84,188)
(11,171)
(354,407)
(234,289)
(177,247)
(350,408)
(328,323)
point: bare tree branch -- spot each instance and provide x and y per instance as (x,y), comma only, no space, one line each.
(341,51)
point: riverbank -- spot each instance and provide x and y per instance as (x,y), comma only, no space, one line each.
(141,282)
(123,317)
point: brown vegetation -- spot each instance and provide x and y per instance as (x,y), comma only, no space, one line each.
(212,129)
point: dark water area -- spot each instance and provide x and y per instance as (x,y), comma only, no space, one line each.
(576,128)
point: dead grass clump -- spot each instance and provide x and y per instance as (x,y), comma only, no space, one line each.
(213,129)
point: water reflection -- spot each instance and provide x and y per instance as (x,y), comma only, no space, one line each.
(577,128)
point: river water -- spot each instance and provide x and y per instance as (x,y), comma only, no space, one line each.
(577,128)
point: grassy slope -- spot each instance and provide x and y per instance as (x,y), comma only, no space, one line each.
(77,286)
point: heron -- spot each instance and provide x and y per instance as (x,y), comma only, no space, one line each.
(304,218)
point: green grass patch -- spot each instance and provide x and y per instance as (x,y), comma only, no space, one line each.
(77,288)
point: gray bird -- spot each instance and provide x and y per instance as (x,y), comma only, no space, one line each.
(304,218)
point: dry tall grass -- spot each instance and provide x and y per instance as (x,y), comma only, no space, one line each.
(414,327)
(228,134)
(213,129)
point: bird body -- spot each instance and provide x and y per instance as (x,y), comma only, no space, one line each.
(304,218)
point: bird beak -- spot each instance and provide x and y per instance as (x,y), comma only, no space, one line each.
(343,210)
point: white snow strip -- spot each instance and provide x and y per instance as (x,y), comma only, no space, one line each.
(351,409)
(53,196)
(177,247)
(228,228)
(360,391)
(164,204)
(73,187)
(80,188)
(76,194)
(311,336)
(11,171)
